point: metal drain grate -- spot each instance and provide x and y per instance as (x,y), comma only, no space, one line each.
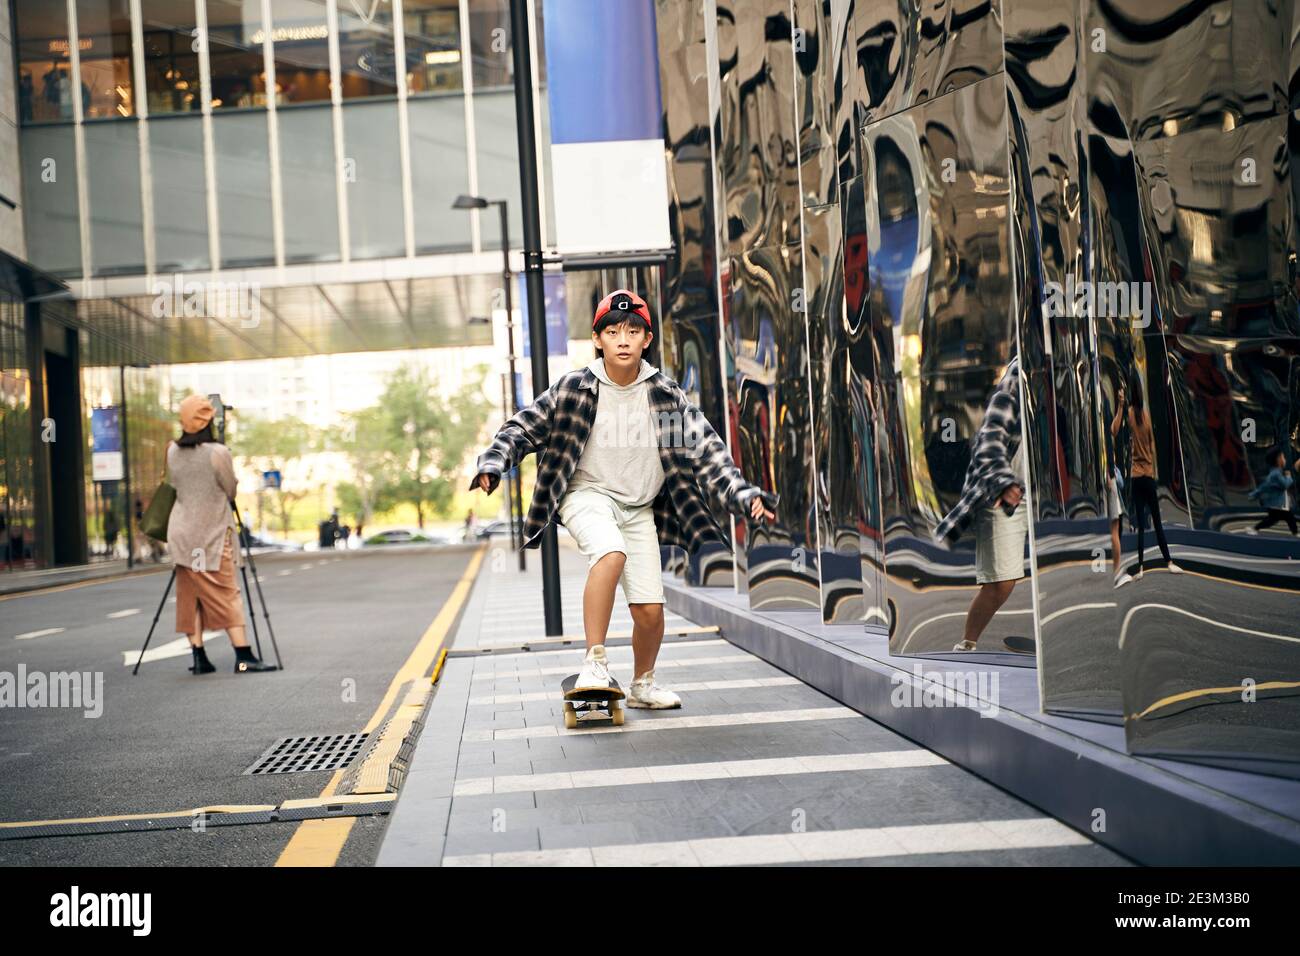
(305,754)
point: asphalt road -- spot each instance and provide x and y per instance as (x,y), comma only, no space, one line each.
(167,740)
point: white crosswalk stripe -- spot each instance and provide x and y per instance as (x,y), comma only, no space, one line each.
(721,770)
(572,666)
(670,723)
(809,847)
(500,699)
(46,632)
(610,649)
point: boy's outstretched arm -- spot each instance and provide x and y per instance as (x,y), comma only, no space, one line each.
(525,432)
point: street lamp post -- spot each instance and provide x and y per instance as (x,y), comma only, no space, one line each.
(526,136)
(513,488)
(529,196)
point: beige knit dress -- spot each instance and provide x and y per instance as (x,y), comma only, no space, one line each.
(201,538)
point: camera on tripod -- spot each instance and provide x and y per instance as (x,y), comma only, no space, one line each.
(219,410)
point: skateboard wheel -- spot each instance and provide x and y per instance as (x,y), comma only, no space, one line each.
(570,717)
(617,713)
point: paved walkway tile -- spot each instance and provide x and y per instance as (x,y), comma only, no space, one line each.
(756,768)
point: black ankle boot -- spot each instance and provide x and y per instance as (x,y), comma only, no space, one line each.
(246,662)
(201,663)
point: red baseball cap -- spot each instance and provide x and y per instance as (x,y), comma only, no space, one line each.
(623,301)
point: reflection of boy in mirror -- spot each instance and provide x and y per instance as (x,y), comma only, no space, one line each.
(1114,503)
(990,498)
(1274,493)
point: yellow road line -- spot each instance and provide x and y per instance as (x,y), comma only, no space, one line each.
(1207,691)
(319,842)
(372,776)
(437,668)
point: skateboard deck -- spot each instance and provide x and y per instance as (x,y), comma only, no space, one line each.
(1021,645)
(597,705)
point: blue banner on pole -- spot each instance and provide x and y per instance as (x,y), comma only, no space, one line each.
(106,444)
(609,177)
(586,38)
(557,314)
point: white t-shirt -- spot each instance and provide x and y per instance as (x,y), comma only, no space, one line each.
(621,457)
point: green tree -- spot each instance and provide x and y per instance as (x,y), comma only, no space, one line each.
(364,439)
(281,445)
(431,435)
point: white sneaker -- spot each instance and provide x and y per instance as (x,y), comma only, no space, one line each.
(964,646)
(1173,568)
(644,692)
(1122,579)
(595,670)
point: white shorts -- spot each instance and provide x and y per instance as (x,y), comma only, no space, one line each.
(600,525)
(1000,543)
(1114,505)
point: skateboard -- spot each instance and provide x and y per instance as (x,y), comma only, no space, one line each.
(1021,645)
(581,706)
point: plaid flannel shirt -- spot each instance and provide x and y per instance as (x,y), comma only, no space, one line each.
(700,479)
(989,472)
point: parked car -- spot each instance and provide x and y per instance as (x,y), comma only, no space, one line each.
(264,543)
(406,536)
(501,529)
(494,529)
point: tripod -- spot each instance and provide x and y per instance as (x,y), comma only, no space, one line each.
(248,595)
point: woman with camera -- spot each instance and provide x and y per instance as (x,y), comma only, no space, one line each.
(201,536)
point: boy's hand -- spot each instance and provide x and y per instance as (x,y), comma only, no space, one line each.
(1011,496)
(484,481)
(758,510)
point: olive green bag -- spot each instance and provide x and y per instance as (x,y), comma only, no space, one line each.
(153,524)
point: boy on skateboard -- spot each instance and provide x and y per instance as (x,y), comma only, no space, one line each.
(625,463)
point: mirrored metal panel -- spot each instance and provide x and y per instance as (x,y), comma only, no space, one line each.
(760,159)
(1211,670)
(1219,219)
(910,53)
(937,207)
(837,471)
(854,357)
(1075,507)
(1098,206)
(773,421)
(814,49)
(844,100)
(1171,68)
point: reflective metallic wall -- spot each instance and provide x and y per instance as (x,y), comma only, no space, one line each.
(1010,322)
(771,413)
(689,329)
(1068,354)
(1210,657)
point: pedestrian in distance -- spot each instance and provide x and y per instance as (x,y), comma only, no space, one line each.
(626,463)
(1145,496)
(1274,493)
(111,531)
(201,535)
(326,532)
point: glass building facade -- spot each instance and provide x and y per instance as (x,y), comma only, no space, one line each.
(17,482)
(169,135)
(302,153)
